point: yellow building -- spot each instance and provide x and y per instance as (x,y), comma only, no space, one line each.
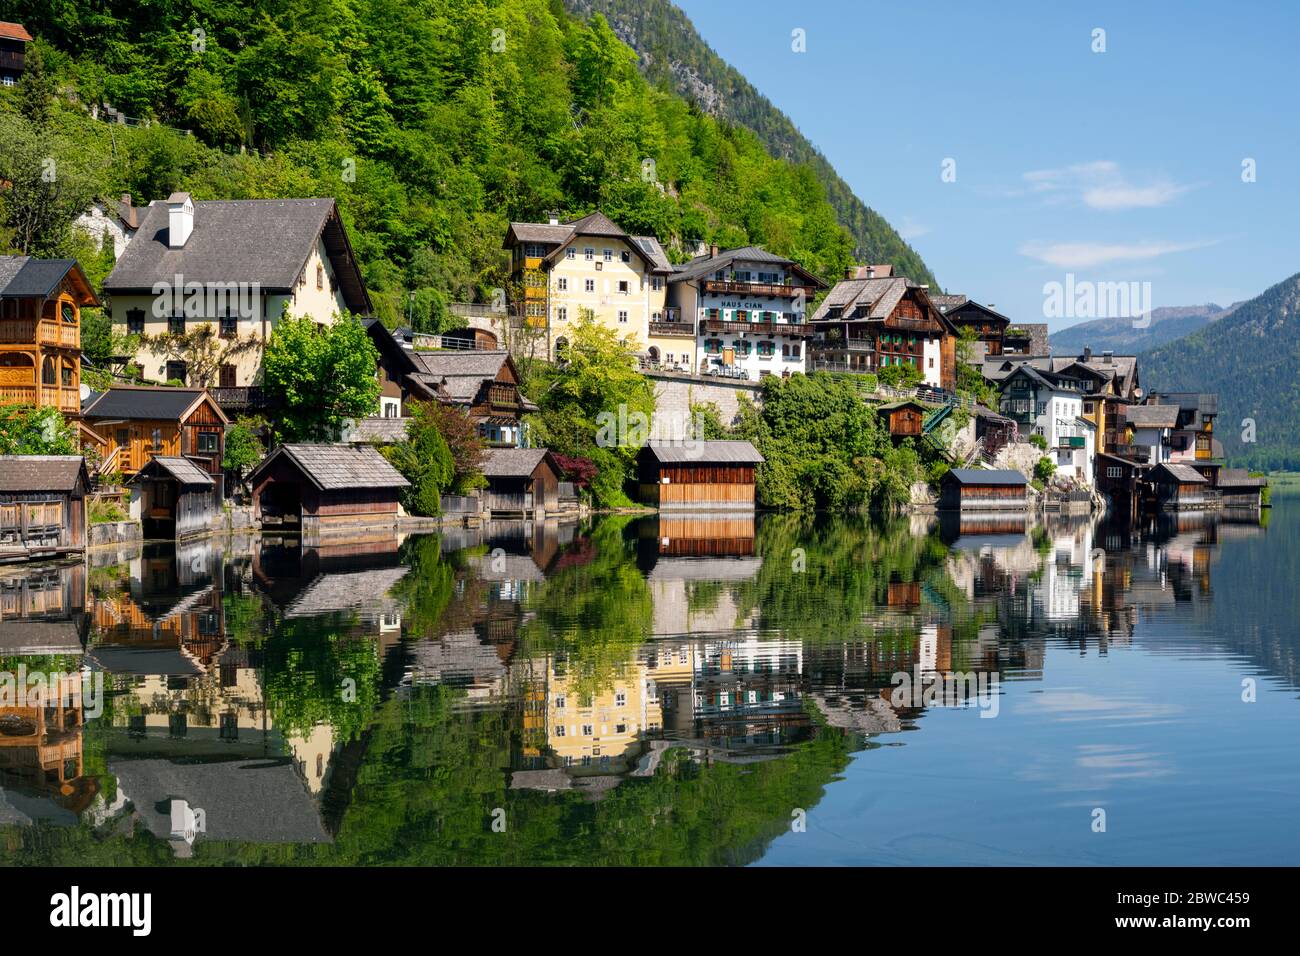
(589,264)
(600,730)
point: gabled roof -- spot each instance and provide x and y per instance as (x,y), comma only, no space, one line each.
(22,277)
(182,469)
(945,301)
(877,296)
(1183,474)
(701,267)
(337,467)
(41,472)
(703,452)
(1152,416)
(980,476)
(1039,377)
(151,402)
(14,31)
(514,462)
(1239,478)
(262,241)
(560,235)
(902,403)
(965,307)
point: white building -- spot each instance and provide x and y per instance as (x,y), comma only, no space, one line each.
(748,310)
(1051,405)
(1152,425)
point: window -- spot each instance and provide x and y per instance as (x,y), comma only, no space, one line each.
(620,699)
(559,702)
(766,349)
(135,321)
(570,253)
(559,730)
(626,256)
(320,276)
(590,285)
(620,728)
(656,283)
(622,286)
(226,376)
(49,374)
(229,727)
(587,730)
(608,255)
(588,253)
(534,250)
(65,375)
(176,324)
(208,442)
(155,439)
(175,371)
(563,284)
(8,81)
(177,725)
(622,316)
(1114,471)
(562,314)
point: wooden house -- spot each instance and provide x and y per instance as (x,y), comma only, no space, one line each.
(865,325)
(40,331)
(905,419)
(986,324)
(320,488)
(174,498)
(1238,489)
(1176,486)
(13,52)
(976,489)
(698,475)
(138,423)
(42,505)
(521,480)
(1117,479)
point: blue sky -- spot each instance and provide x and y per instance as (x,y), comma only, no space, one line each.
(1122,166)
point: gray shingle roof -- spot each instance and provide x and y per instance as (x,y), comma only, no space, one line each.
(345,591)
(1239,478)
(1182,473)
(339,467)
(182,469)
(22,277)
(702,266)
(263,241)
(386,431)
(980,476)
(877,296)
(40,472)
(145,661)
(511,462)
(131,401)
(252,801)
(1152,416)
(39,637)
(478,362)
(704,452)
(654,252)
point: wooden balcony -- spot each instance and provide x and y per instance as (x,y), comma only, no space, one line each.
(859,345)
(64,399)
(45,332)
(757,328)
(757,288)
(240,399)
(1138,453)
(672,328)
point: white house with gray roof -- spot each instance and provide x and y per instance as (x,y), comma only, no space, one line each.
(746,309)
(235,266)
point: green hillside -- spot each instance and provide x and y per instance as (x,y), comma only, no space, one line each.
(674,55)
(1250,358)
(433,122)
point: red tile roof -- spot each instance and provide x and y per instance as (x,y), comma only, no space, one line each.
(14,31)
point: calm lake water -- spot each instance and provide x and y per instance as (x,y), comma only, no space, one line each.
(668,691)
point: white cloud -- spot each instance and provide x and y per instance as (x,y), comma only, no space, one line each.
(911,229)
(1101,185)
(1084,255)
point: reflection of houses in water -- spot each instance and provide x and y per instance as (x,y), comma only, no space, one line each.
(748,692)
(43,610)
(339,578)
(692,565)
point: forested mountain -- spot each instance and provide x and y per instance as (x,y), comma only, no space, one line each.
(673,54)
(1119,335)
(1250,358)
(433,122)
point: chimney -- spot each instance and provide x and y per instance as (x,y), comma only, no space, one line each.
(713,250)
(850,272)
(553,218)
(1087,353)
(1108,357)
(180,219)
(871,272)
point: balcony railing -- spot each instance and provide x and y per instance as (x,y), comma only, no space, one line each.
(44,332)
(759,328)
(1138,453)
(757,288)
(64,399)
(241,398)
(671,328)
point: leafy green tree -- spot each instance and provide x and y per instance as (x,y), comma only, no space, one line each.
(244,447)
(319,377)
(25,430)
(425,460)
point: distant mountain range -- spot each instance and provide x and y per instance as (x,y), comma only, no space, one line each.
(672,53)
(1251,358)
(1119,335)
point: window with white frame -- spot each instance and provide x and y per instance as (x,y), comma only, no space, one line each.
(590,285)
(588,253)
(622,316)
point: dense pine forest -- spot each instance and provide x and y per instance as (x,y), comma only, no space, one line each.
(433,122)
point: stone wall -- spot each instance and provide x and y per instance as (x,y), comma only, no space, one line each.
(114,533)
(674,395)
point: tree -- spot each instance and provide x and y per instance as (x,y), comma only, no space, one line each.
(319,377)
(424,460)
(25,430)
(463,441)
(47,187)
(593,393)
(244,448)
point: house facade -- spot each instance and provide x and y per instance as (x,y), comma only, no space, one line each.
(986,324)
(747,309)
(137,423)
(562,269)
(13,52)
(234,267)
(869,324)
(40,332)
(42,505)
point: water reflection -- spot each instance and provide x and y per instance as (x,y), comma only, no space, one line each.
(654,690)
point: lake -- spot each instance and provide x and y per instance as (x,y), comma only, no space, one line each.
(698,691)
